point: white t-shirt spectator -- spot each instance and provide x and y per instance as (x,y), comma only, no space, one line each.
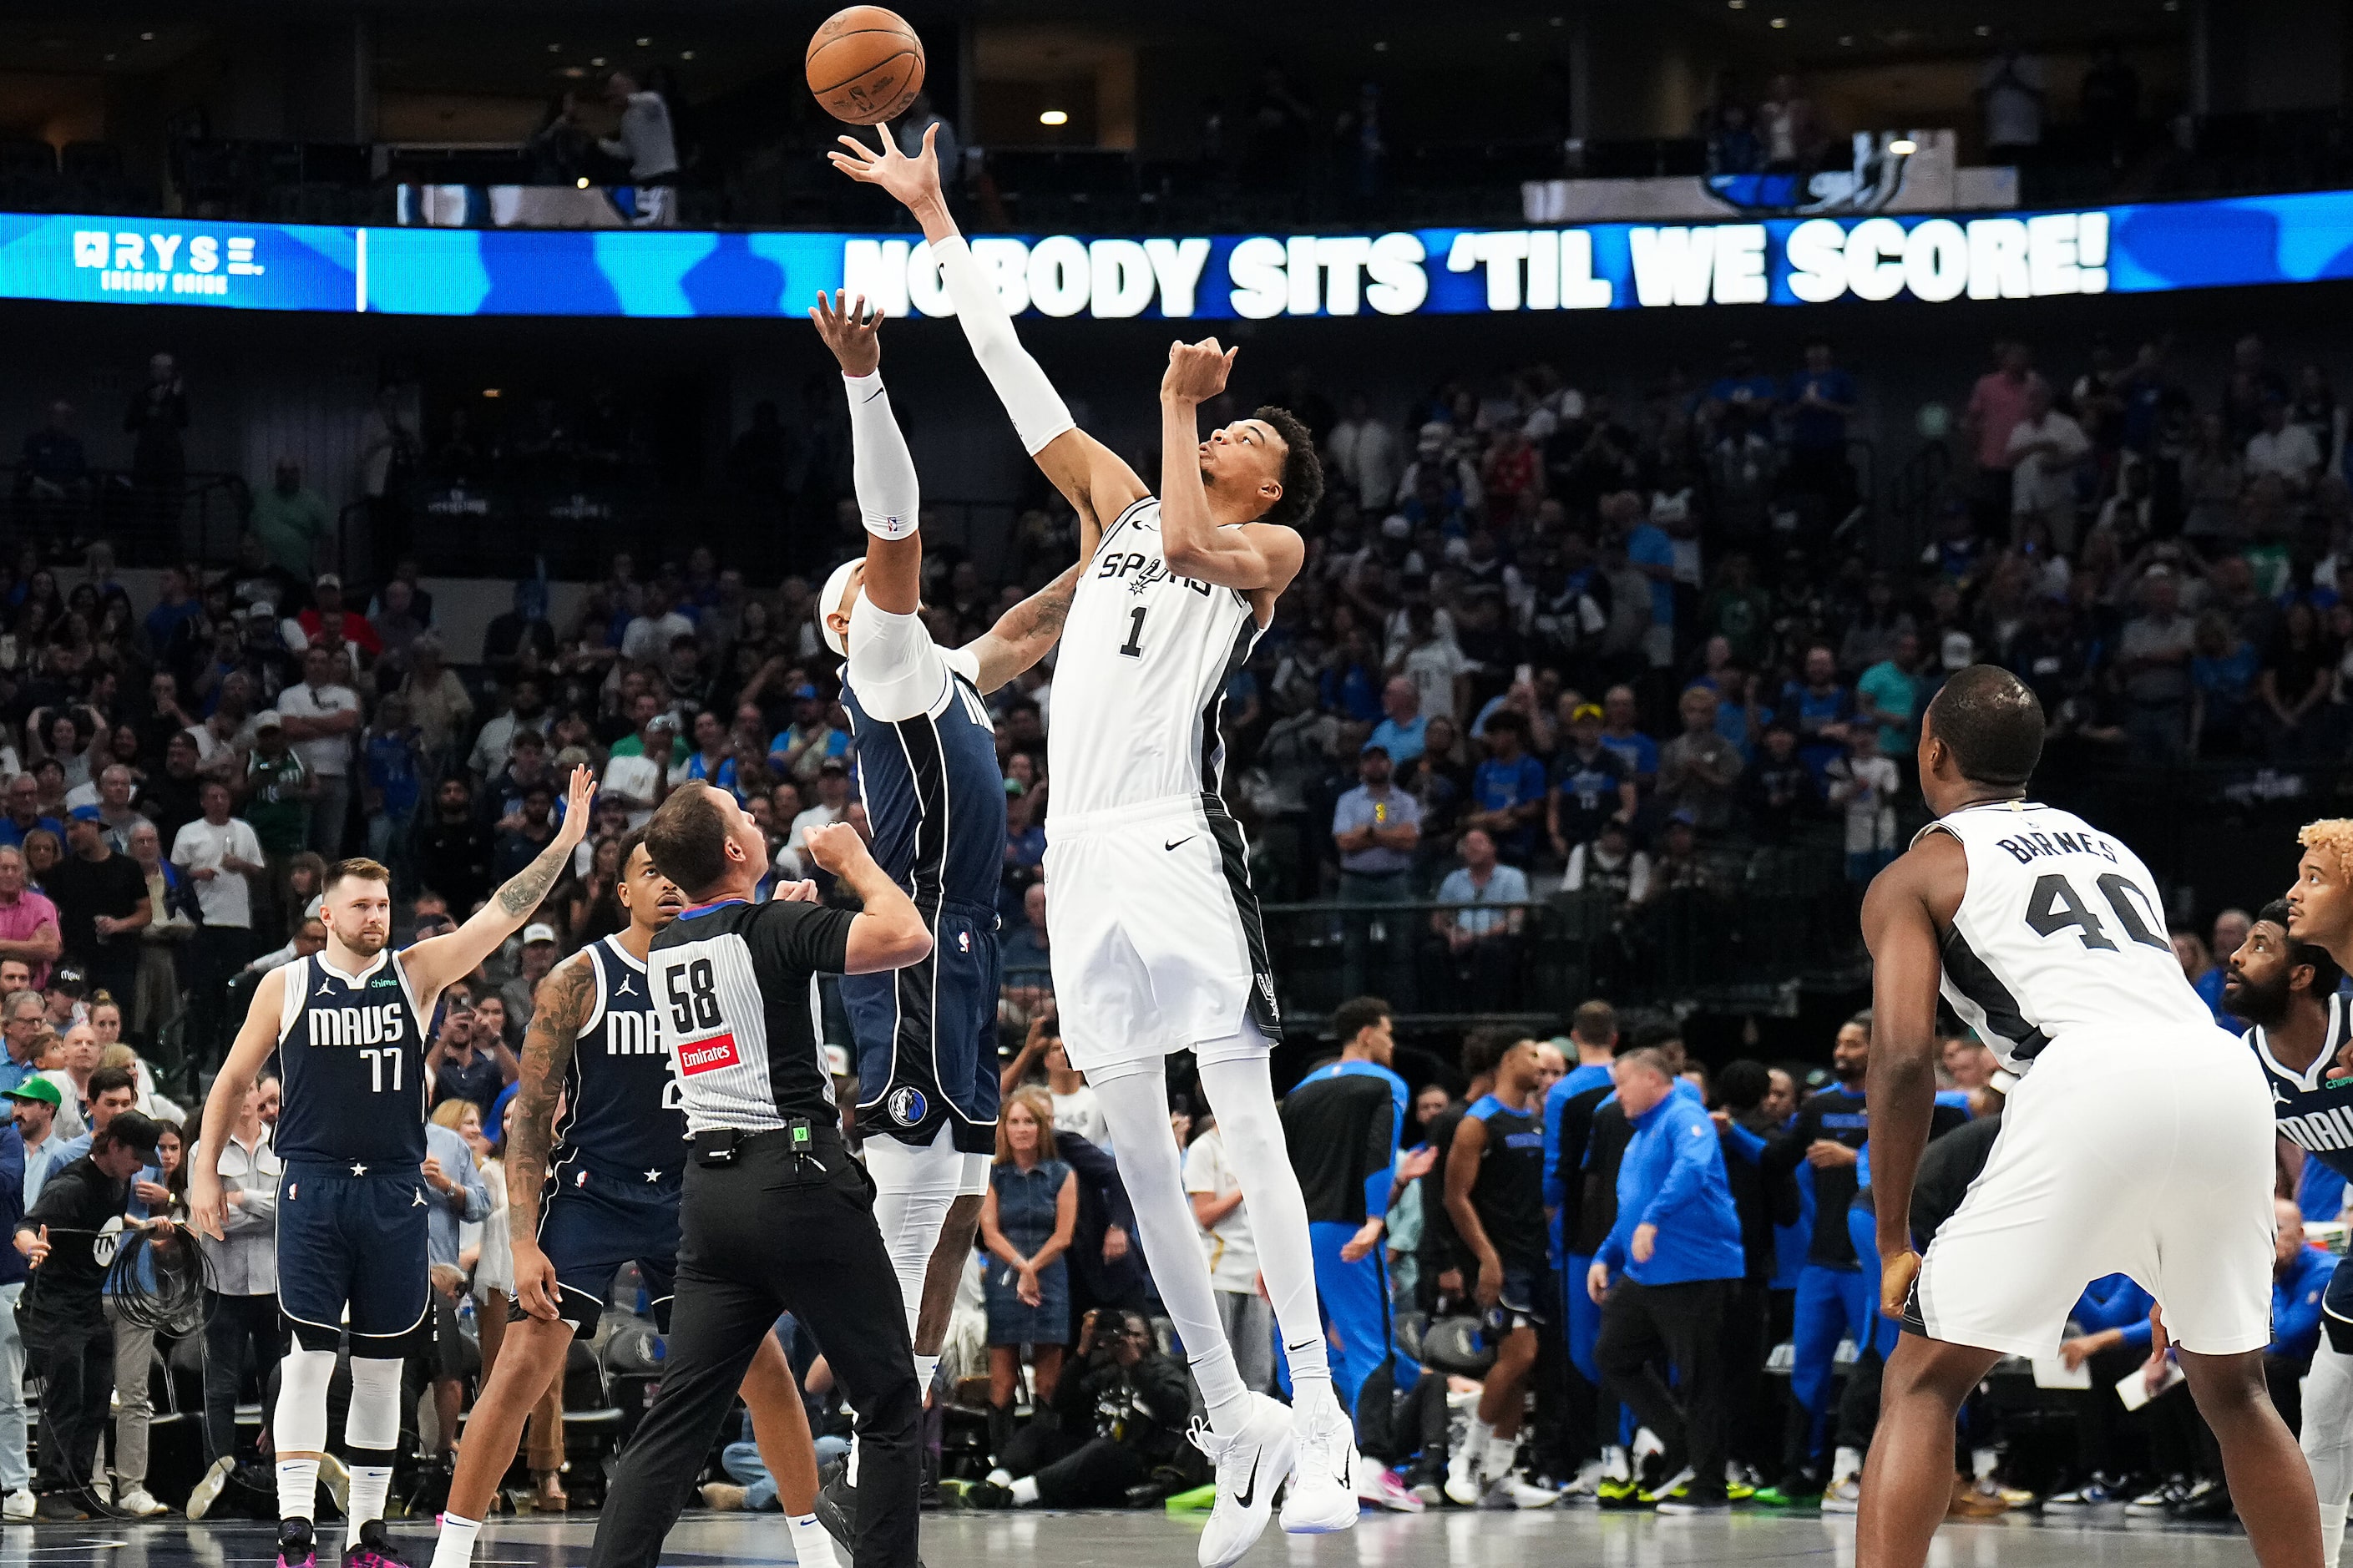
(646,139)
(1228,1245)
(226,898)
(1080,1113)
(791,860)
(1866,786)
(2290,454)
(2045,481)
(1433,669)
(2012,89)
(637,780)
(327,756)
(645,640)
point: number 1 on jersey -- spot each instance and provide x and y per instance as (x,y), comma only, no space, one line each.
(1134,645)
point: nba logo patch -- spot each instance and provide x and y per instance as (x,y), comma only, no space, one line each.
(294,1189)
(964,941)
(906,1105)
(580,1180)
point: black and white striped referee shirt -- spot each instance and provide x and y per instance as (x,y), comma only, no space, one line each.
(730,980)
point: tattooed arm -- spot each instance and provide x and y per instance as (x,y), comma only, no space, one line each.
(434,963)
(1023,634)
(561,1005)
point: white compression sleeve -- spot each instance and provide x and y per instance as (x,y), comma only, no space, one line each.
(881,470)
(1038,412)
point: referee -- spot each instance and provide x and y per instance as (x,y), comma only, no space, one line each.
(775,1216)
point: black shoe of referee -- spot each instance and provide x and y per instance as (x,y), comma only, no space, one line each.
(837,1508)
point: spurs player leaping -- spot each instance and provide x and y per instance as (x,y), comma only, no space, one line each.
(935,796)
(2138,1139)
(1156,937)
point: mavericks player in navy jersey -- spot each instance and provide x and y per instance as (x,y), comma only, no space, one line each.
(2138,1139)
(348,1024)
(612,1163)
(934,797)
(2287,991)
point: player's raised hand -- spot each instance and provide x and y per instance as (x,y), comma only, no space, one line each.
(849,330)
(1196,372)
(579,801)
(911,179)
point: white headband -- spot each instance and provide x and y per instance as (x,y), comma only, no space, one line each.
(829,599)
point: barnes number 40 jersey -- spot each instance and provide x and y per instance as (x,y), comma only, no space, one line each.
(1145,655)
(2060,929)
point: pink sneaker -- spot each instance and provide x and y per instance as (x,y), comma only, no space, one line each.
(1379,1486)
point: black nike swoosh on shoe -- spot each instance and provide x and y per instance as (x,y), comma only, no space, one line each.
(1249,1492)
(1176,843)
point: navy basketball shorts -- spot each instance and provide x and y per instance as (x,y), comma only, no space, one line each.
(356,1244)
(927,1037)
(2336,1308)
(592,1222)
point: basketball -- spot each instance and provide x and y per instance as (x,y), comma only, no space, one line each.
(865,65)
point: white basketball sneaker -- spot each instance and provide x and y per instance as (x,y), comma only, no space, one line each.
(1252,1464)
(1323,1496)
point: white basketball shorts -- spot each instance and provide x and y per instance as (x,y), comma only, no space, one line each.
(1155,935)
(2139,1152)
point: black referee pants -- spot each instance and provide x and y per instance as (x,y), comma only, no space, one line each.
(763,1235)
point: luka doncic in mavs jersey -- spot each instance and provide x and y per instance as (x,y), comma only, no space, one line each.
(351,1216)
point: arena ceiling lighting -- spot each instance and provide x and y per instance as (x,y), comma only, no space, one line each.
(1053,116)
(1847,263)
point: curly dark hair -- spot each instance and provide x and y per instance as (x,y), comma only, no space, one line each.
(1302,470)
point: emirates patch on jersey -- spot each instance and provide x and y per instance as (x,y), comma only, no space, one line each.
(708,1056)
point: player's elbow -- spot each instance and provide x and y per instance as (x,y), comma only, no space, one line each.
(889,940)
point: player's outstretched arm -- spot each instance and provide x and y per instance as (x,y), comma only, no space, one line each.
(255,1040)
(1023,634)
(1899,926)
(1255,556)
(882,472)
(1085,470)
(560,1008)
(434,963)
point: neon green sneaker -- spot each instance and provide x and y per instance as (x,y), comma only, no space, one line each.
(1775,1496)
(1200,1499)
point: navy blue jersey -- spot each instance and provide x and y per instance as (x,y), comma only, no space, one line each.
(1507,1194)
(934,795)
(2315,1112)
(622,1112)
(351,1048)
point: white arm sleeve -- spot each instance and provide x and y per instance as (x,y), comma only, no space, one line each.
(894,666)
(1038,412)
(889,497)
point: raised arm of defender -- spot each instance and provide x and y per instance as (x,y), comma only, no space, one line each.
(1086,471)
(890,499)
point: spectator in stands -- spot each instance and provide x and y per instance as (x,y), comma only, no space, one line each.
(438,701)
(1026,1221)
(1363,453)
(224,859)
(460,1197)
(158,413)
(453,850)
(1608,862)
(24,814)
(2153,665)
(391,767)
(2045,447)
(1821,399)
(34,1105)
(23,1018)
(277,791)
(521,638)
(321,716)
(832,802)
(102,902)
(291,520)
(54,466)
(1376,828)
(1592,783)
(519,997)
(2284,450)
(1131,1397)
(28,919)
(1481,954)
(1025,954)
(1699,768)
(241,1322)
(1508,789)
(1863,784)
(1402,729)
(1996,405)
(1619,734)
(647,141)
(1889,695)
(526,714)
(2011,94)
(520,844)
(468,1060)
(639,770)
(1216,1197)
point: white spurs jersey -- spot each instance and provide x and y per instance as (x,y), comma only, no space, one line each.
(1145,655)
(2060,929)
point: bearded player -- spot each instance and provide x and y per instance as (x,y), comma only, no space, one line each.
(612,1181)
(348,1024)
(934,798)
(1151,918)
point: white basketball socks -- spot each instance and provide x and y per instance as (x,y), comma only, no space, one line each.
(812,1547)
(298,1488)
(455,1546)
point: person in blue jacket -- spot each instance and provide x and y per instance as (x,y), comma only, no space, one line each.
(1662,1276)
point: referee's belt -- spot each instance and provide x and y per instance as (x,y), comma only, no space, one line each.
(724,1146)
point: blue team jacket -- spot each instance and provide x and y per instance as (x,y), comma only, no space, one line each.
(1673,1177)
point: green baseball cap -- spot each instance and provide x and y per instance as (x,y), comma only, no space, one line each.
(38,1089)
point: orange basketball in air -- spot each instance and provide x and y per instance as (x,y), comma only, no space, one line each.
(865,65)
